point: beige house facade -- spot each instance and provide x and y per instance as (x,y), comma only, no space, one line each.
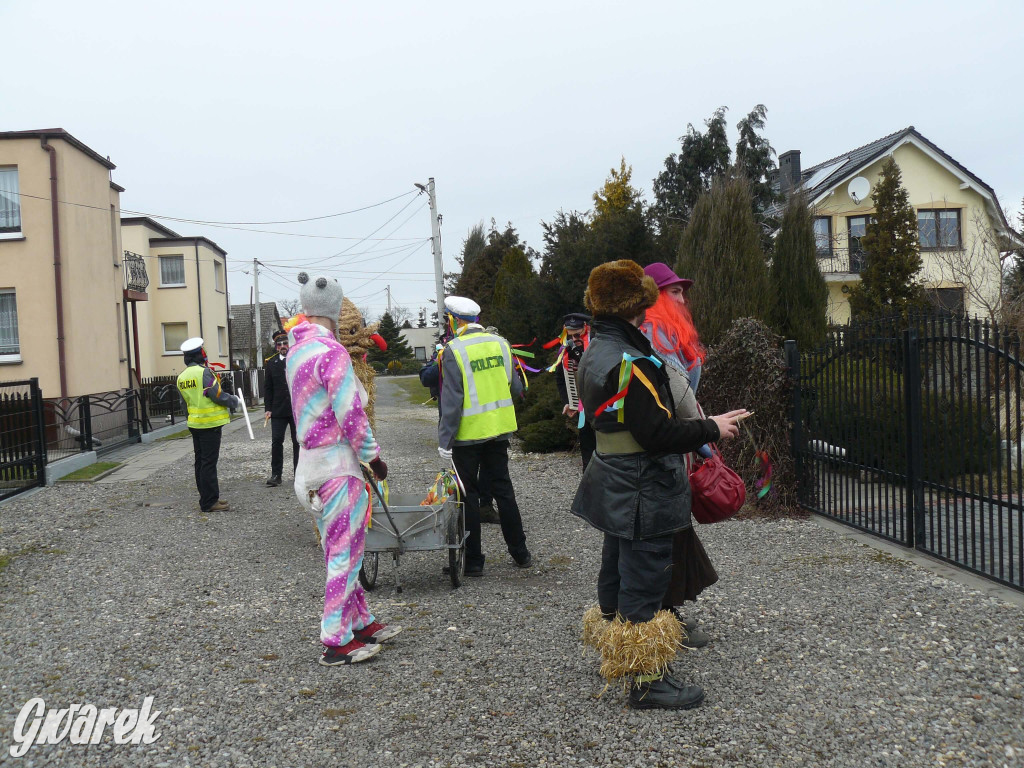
(186,296)
(61,301)
(960,222)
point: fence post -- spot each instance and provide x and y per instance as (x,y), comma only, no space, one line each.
(914,513)
(85,419)
(133,427)
(40,431)
(796,445)
(143,410)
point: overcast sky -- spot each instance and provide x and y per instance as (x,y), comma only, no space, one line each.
(265,111)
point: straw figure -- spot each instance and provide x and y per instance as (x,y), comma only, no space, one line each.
(357,338)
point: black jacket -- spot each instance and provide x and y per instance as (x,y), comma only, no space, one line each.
(276,399)
(638,495)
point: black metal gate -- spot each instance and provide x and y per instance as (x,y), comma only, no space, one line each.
(912,431)
(22,448)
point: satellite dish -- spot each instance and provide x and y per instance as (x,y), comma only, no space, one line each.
(859,189)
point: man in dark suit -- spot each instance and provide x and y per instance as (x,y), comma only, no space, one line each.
(278,405)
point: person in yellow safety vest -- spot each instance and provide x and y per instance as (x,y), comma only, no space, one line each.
(208,412)
(478,384)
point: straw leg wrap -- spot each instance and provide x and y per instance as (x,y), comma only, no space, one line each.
(644,648)
(594,625)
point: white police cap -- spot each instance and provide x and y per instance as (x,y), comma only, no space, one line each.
(196,342)
(461,307)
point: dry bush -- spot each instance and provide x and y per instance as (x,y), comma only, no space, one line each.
(746,369)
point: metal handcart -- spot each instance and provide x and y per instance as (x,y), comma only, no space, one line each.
(406,525)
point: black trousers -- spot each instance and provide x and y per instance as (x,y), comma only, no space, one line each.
(483,487)
(206,444)
(278,426)
(634,576)
(490,458)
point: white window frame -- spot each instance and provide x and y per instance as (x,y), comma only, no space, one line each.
(222,341)
(160,267)
(219,272)
(20,233)
(14,357)
(163,332)
(420,353)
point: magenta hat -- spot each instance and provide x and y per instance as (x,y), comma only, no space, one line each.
(663,275)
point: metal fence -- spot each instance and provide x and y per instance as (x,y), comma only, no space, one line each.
(164,406)
(97,422)
(912,431)
(22,450)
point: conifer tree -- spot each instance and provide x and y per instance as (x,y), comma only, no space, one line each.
(798,287)
(892,261)
(720,251)
(514,290)
(754,158)
(397,349)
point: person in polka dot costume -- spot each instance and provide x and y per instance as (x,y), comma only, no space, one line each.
(329,406)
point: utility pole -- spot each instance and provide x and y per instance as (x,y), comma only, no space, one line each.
(388,289)
(256,291)
(435,247)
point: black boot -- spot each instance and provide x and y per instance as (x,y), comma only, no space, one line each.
(665,693)
(274,480)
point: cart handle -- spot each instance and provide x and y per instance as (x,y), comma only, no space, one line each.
(368,474)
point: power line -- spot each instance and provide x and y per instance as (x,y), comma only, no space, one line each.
(385,271)
(283,221)
(121,211)
(378,229)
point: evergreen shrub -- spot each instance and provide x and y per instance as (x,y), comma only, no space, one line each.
(542,427)
(858,405)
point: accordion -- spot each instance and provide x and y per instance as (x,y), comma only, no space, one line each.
(569,372)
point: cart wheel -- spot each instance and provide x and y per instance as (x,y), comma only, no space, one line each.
(457,557)
(368,570)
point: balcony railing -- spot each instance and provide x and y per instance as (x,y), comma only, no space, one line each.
(842,261)
(135,277)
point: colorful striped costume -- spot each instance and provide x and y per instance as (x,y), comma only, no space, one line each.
(334,436)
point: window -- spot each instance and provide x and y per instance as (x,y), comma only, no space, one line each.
(172,272)
(175,334)
(113,236)
(948,300)
(218,275)
(856,228)
(120,334)
(823,235)
(10,203)
(421,354)
(222,341)
(938,229)
(10,350)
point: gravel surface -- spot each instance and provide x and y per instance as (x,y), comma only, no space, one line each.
(825,652)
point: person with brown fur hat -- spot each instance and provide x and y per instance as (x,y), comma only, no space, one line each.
(635,490)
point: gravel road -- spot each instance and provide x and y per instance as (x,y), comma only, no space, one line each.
(825,652)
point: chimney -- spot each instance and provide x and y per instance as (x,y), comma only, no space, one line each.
(789,171)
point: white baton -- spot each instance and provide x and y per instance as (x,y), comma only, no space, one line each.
(245,412)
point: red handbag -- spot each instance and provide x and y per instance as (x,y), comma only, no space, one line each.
(717,491)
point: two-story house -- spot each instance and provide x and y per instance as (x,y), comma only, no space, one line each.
(187,296)
(960,222)
(62,309)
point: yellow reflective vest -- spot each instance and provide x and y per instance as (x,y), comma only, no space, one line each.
(485,362)
(203,413)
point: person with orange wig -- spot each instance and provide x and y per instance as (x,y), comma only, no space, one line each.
(669,327)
